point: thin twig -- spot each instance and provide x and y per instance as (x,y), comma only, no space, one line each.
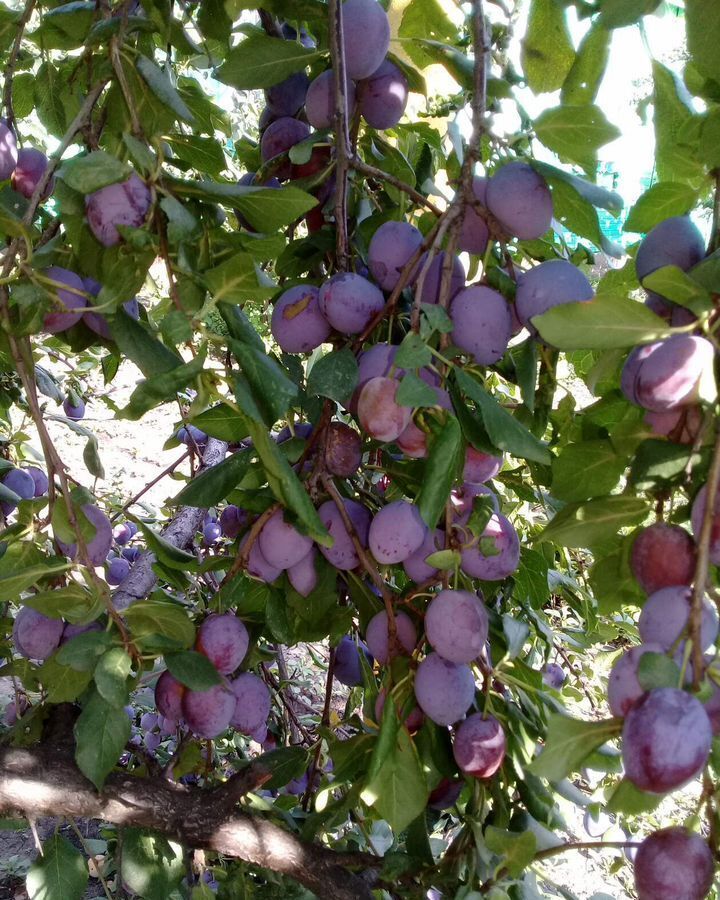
(12,61)
(342,137)
(373,172)
(133,500)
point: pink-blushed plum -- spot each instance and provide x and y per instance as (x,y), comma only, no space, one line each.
(96,321)
(208,713)
(697,517)
(348,668)
(631,370)
(232,521)
(430,288)
(21,482)
(391,249)
(320,100)
(664,617)
(673,864)
(100,542)
(68,300)
(662,556)
(168,696)
(496,554)
(675,373)
(474,235)
(396,532)
(415,565)
(673,242)
(366,37)
(224,639)
(444,690)
(343,554)
(550,284)
(278,138)
(74,411)
(481,323)
(553,676)
(624,689)
(479,746)
(520,200)
(118,570)
(378,640)
(682,426)
(252,703)
(297,323)
(122,533)
(29,169)
(287,96)
(257,566)
(380,416)
(413,440)
(123,204)
(281,543)
(8,152)
(36,636)
(343,450)
(479,466)
(412,720)
(445,794)
(665,740)
(40,480)
(456,625)
(384,96)
(303,575)
(349,302)
(462,499)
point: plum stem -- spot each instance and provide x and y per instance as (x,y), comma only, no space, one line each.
(171,468)
(12,60)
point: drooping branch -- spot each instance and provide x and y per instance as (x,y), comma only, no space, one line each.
(46,782)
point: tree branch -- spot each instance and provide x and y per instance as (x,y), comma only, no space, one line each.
(373,172)
(9,70)
(342,137)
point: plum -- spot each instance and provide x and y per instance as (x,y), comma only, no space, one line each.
(665,740)
(673,242)
(366,37)
(380,416)
(697,517)
(8,151)
(550,284)
(122,533)
(480,467)
(232,521)
(168,696)
(101,541)
(662,556)
(445,794)
(71,299)
(29,169)
(291,34)
(349,302)
(521,201)
(191,436)
(675,373)
(474,235)
(252,703)
(596,825)
(481,323)
(224,639)
(287,96)
(97,322)
(125,203)
(320,100)
(20,482)
(413,440)
(553,676)
(456,625)
(36,636)
(631,369)
(479,746)
(297,323)
(624,689)
(257,566)
(496,554)
(348,668)
(665,613)
(384,96)
(343,450)
(391,249)
(70,631)
(396,532)
(40,480)
(463,501)
(378,641)
(278,138)
(74,411)
(412,719)
(430,288)
(118,570)
(343,554)
(376,362)
(281,543)
(303,575)
(681,425)
(444,690)
(131,554)
(673,864)
(415,565)
(212,532)
(208,713)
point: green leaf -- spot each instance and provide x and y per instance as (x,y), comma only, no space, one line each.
(678,286)
(261,61)
(272,389)
(675,154)
(221,422)
(413,391)
(395,784)
(139,345)
(181,223)
(193,670)
(72,602)
(547,49)
(628,799)
(584,78)
(618,13)
(531,578)
(101,733)
(92,171)
(702,21)
(111,674)
(606,322)
(162,388)
(655,670)
(202,153)
(63,683)
(151,865)
(159,83)
(662,200)
(61,873)
(504,430)
(168,554)
(423,20)
(285,763)
(443,463)
(148,617)
(83,651)
(659,462)
(12,586)
(516,849)
(575,133)
(334,375)
(215,483)
(447,560)
(413,352)
(236,280)
(585,470)
(569,742)
(584,524)
(573,211)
